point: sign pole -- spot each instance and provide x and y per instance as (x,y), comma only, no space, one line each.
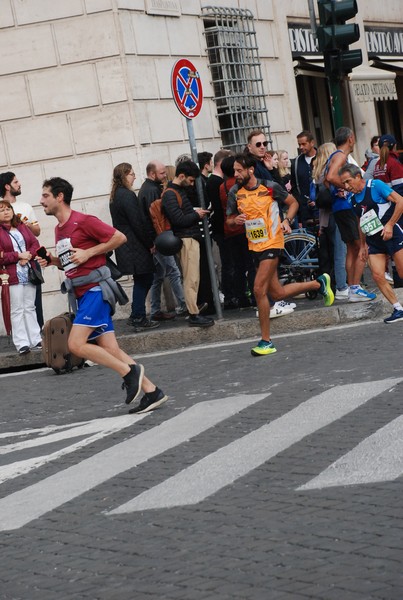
(188,96)
(209,250)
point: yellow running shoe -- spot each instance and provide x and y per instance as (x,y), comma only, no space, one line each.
(263,348)
(326,289)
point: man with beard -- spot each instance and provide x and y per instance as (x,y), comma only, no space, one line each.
(10,189)
(255,204)
(165,266)
(184,218)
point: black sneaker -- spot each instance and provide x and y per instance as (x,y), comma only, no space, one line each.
(150,401)
(199,321)
(143,324)
(24,350)
(132,382)
(38,346)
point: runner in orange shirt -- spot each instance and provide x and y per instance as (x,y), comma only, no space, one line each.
(257,205)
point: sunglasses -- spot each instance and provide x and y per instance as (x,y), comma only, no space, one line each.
(258,144)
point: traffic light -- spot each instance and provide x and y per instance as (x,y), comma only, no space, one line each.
(334,36)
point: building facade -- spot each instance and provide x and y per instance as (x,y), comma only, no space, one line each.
(86,84)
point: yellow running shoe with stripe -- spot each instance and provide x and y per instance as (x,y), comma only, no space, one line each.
(263,348)
(326,289)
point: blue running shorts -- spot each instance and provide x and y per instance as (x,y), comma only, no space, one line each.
(376,245)
(94,311)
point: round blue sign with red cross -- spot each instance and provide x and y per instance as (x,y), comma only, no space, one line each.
(186,88)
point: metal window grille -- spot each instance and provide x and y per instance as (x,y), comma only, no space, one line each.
(236,74)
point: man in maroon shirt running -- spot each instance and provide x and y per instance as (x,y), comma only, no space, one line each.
(82,242)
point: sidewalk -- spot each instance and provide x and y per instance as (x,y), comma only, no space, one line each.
(236,325)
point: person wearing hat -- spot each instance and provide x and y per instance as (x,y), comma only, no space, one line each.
(389,168)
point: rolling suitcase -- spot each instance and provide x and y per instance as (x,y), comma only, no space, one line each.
(54,345)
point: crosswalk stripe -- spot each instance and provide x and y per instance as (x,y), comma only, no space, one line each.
(27,504)
(227,464)
(377,458)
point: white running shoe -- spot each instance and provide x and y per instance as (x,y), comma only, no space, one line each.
(284,304)
(341,294)
(389,278)
(280,311)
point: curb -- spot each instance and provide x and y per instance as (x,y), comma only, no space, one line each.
(183,336)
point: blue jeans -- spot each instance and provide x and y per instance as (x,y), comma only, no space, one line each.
(166,267)
(141,287)
(340,252)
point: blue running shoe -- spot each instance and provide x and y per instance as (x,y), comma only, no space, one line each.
(358,294)
(263,348)
(397,315)
(326,289)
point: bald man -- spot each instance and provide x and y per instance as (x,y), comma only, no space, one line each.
(165,266)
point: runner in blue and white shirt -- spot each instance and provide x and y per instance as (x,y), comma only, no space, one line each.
(380,213)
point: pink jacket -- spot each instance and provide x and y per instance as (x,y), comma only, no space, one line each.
(8,256)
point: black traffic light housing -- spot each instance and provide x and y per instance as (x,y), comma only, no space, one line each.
(334,36)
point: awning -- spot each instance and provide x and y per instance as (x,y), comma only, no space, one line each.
(388,65)
(309,68)
(368,84)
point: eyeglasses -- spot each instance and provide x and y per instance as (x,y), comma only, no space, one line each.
(258,144)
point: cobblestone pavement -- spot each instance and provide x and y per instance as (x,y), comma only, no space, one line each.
(260,479)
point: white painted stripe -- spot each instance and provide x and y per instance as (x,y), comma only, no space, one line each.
(95,430)
(23,506)
(378,458)
(223,467)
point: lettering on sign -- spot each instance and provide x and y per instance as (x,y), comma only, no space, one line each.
(366,91)
(170,8)
(384,41)
(302,40)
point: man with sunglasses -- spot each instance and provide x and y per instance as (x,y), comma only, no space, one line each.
(257,147)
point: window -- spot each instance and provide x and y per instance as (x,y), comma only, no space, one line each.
(236,74)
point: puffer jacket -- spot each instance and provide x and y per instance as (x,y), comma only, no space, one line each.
(133,257)
(183,219)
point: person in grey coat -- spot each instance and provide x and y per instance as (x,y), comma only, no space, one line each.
(135,256)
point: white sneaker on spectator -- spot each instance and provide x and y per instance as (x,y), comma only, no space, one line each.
(341,294)
(284,304)
(389,278)
(280,311)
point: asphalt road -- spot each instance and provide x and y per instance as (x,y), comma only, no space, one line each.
(261,478)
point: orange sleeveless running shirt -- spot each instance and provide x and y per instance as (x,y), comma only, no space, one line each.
(263,224)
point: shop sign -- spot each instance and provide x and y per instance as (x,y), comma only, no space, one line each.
(169,8)
(366,91)
(384,41)
(302,41)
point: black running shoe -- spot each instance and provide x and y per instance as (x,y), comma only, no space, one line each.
(150,401)
(200,321)
(132,382)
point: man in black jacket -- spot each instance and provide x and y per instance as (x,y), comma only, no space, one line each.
(301,177)
(184,222)
(165,265)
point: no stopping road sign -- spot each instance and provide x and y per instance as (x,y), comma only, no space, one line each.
(186,88)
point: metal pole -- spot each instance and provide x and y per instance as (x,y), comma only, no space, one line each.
(335,97)
(209,251)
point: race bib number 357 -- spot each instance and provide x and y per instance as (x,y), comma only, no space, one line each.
(256,230)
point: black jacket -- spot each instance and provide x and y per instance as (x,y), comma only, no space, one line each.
(149,191)
(134,257)
(184,220)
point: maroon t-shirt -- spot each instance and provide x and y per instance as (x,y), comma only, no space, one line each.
(81,231)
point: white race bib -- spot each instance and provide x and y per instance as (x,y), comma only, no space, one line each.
(256,230)
(370,223)
(64,251)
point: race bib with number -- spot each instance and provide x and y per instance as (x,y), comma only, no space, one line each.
(256,230)
(370,223)
(64,251)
